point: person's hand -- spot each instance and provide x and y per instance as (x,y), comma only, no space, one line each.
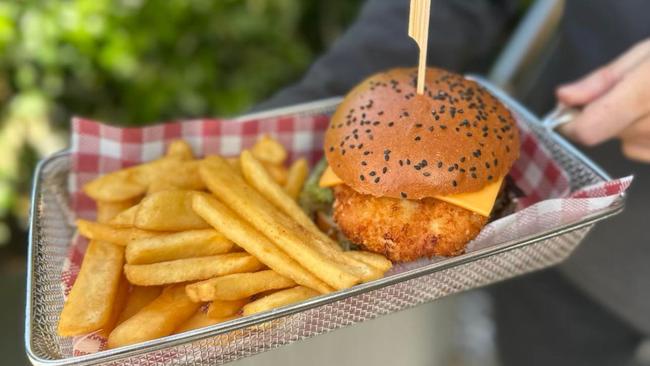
(616,101)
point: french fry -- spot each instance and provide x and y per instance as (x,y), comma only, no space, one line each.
(298,172)
(158,319)
(125,218)
(221,309)
(119,236)
(176,174)
(292,238)
(372,259)
(138,298)
(106,211)
(256,176)
(118,186)
(190,269)
(184,244)
(237,286)
(90,302)
(247,237)
(118,306)
(168,211)
(201,320)
(132,182)
(278,172)
(278,299)
(180,149)
(269,150)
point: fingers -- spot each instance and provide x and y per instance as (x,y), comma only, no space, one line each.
(610,114)
(635,140)
(603,79)
(637,151)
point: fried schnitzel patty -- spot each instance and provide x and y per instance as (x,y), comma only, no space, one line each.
(404,230)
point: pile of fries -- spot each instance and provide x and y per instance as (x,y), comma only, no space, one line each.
(182,243)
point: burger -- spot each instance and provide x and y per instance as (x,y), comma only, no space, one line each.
(416,175)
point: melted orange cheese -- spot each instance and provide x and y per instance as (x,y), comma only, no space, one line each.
(480,202)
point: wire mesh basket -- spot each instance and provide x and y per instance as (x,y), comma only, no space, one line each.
(51,230)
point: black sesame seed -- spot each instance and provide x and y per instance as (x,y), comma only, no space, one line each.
(384,170)
(418,125)
(431,129)
(408,162)
(417,138)
(377,180)
(450,169)
(372,173)
(376,123)
(487,165)
(366,153)
(443,127)
(417,167)
(489,177)
(401,163)
(469,134)
(462,159)
(440,164)
(343,152)
(403,194)
(496,162)
(426,174)
(362,177)
(390,124)
(364,163)
(454,183)
(331,148)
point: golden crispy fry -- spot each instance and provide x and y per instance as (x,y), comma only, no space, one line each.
(106,211)
(279,298)
(278,172)
(90,302)
(296,241)
(298,172)
(201,320)
(176,174)
(118,186)
(237,286)
(234,163)
(103,232)
(169,211)
(125,218)
(221,308)
(269,150)
(372,259)
(256,176)
(180,149)
(184,244)
(132,182)
(247,237)
(138,298)
(118,306)
(158,319)
(190,269)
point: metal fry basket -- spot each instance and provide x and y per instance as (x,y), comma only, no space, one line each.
(51,230)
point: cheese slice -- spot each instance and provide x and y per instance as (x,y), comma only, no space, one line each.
(480,202)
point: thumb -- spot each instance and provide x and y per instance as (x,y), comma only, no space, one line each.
(601,80)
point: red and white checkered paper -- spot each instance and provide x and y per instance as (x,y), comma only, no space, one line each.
(98,149)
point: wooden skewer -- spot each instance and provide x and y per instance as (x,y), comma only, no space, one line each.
(419,31)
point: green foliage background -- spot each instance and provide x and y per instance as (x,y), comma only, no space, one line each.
(135,62)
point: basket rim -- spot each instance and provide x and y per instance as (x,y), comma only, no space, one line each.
(235,324)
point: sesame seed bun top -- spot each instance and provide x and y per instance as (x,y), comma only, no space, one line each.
(387,141)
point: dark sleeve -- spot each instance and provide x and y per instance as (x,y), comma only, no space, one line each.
(462,36)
